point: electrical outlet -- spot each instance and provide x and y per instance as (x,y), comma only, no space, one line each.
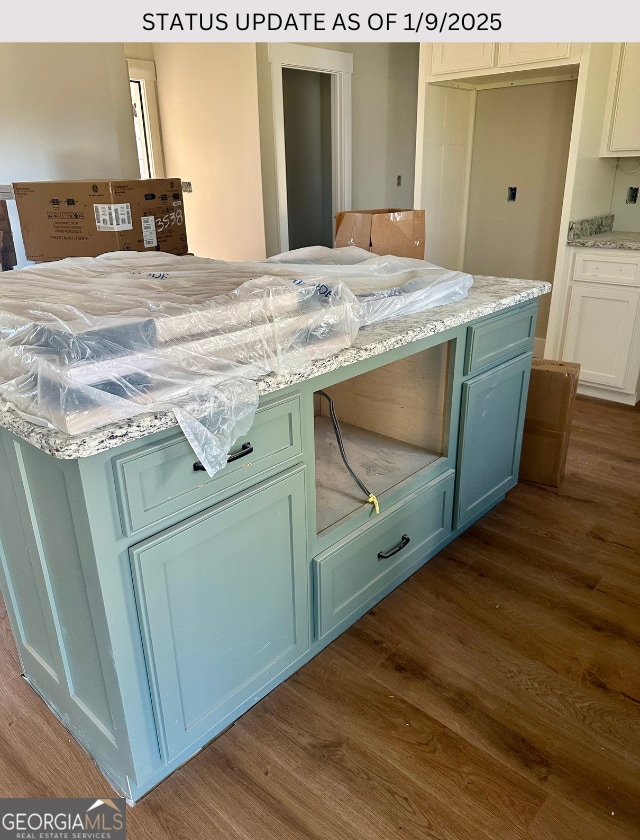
(632,195)
(186,186)
(511,193)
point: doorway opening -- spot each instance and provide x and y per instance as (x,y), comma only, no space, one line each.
(307,135)
(328,72)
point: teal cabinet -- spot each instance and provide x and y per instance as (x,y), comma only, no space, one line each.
(224,608)
(491,424)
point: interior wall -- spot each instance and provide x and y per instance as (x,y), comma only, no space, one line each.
(208,102)
(66,115)
(385,101)
(521,139)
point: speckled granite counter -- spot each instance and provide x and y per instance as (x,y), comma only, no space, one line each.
(624,240)
(486,296)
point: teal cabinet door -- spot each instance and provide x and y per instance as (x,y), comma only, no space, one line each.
(223,600)
(492,420)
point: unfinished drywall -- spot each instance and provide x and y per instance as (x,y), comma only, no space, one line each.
(208,104)
(520,142)
(66,115)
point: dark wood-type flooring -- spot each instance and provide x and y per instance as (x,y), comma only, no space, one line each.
(494,696)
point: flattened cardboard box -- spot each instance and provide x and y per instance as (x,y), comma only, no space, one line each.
(88,218)
(547,424)
(388,231)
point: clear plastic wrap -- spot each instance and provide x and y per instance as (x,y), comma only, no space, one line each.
(85,342)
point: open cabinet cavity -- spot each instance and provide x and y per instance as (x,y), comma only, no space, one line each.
(393,426)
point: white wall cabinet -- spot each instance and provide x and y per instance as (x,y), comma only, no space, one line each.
(517,54)
(622,124)
(603,324)
(462,60)
(448,58)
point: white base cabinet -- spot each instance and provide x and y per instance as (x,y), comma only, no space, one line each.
(603,324)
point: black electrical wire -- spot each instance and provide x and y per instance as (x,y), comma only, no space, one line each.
(336,427)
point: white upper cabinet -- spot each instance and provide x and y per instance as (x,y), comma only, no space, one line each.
(449,58)
(513,55)
(622,124)
(464,60)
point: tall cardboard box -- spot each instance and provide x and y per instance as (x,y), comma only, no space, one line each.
(547,424)
(88,218)
(389,231)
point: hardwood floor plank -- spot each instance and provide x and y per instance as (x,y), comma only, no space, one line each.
(559,819)
(406,735)
(527,744)
(504,671)
(542,626)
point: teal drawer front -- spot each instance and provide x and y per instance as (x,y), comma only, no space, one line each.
(155,483)
(223,601)
(500,338)
(350,575)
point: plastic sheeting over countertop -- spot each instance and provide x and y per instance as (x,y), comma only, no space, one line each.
(85,342)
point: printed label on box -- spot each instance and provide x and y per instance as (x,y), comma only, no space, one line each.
(113,216)
(149,231)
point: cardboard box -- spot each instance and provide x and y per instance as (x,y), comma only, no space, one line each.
(547,425)
(389,231)
(88,218)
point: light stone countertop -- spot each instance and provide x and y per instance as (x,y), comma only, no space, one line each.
(487,296)
(623,240)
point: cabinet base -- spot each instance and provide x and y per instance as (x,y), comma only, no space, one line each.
(603,393)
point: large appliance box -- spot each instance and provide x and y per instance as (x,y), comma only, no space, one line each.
(88,218)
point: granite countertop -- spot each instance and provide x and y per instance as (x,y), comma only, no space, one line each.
(626,240)
(486,296)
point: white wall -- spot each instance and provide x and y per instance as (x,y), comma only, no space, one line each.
(66,114)
(384,95)
(208,102)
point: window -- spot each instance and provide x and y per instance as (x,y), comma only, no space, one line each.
(144,101)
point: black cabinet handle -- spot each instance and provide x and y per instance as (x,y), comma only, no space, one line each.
(245,449)
(384,555)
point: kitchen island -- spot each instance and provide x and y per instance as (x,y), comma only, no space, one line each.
(152,604)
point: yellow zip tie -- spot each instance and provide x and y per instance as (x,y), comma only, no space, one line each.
(373,501)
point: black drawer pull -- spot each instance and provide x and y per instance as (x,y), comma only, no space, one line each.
(245,449)
(384,555)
